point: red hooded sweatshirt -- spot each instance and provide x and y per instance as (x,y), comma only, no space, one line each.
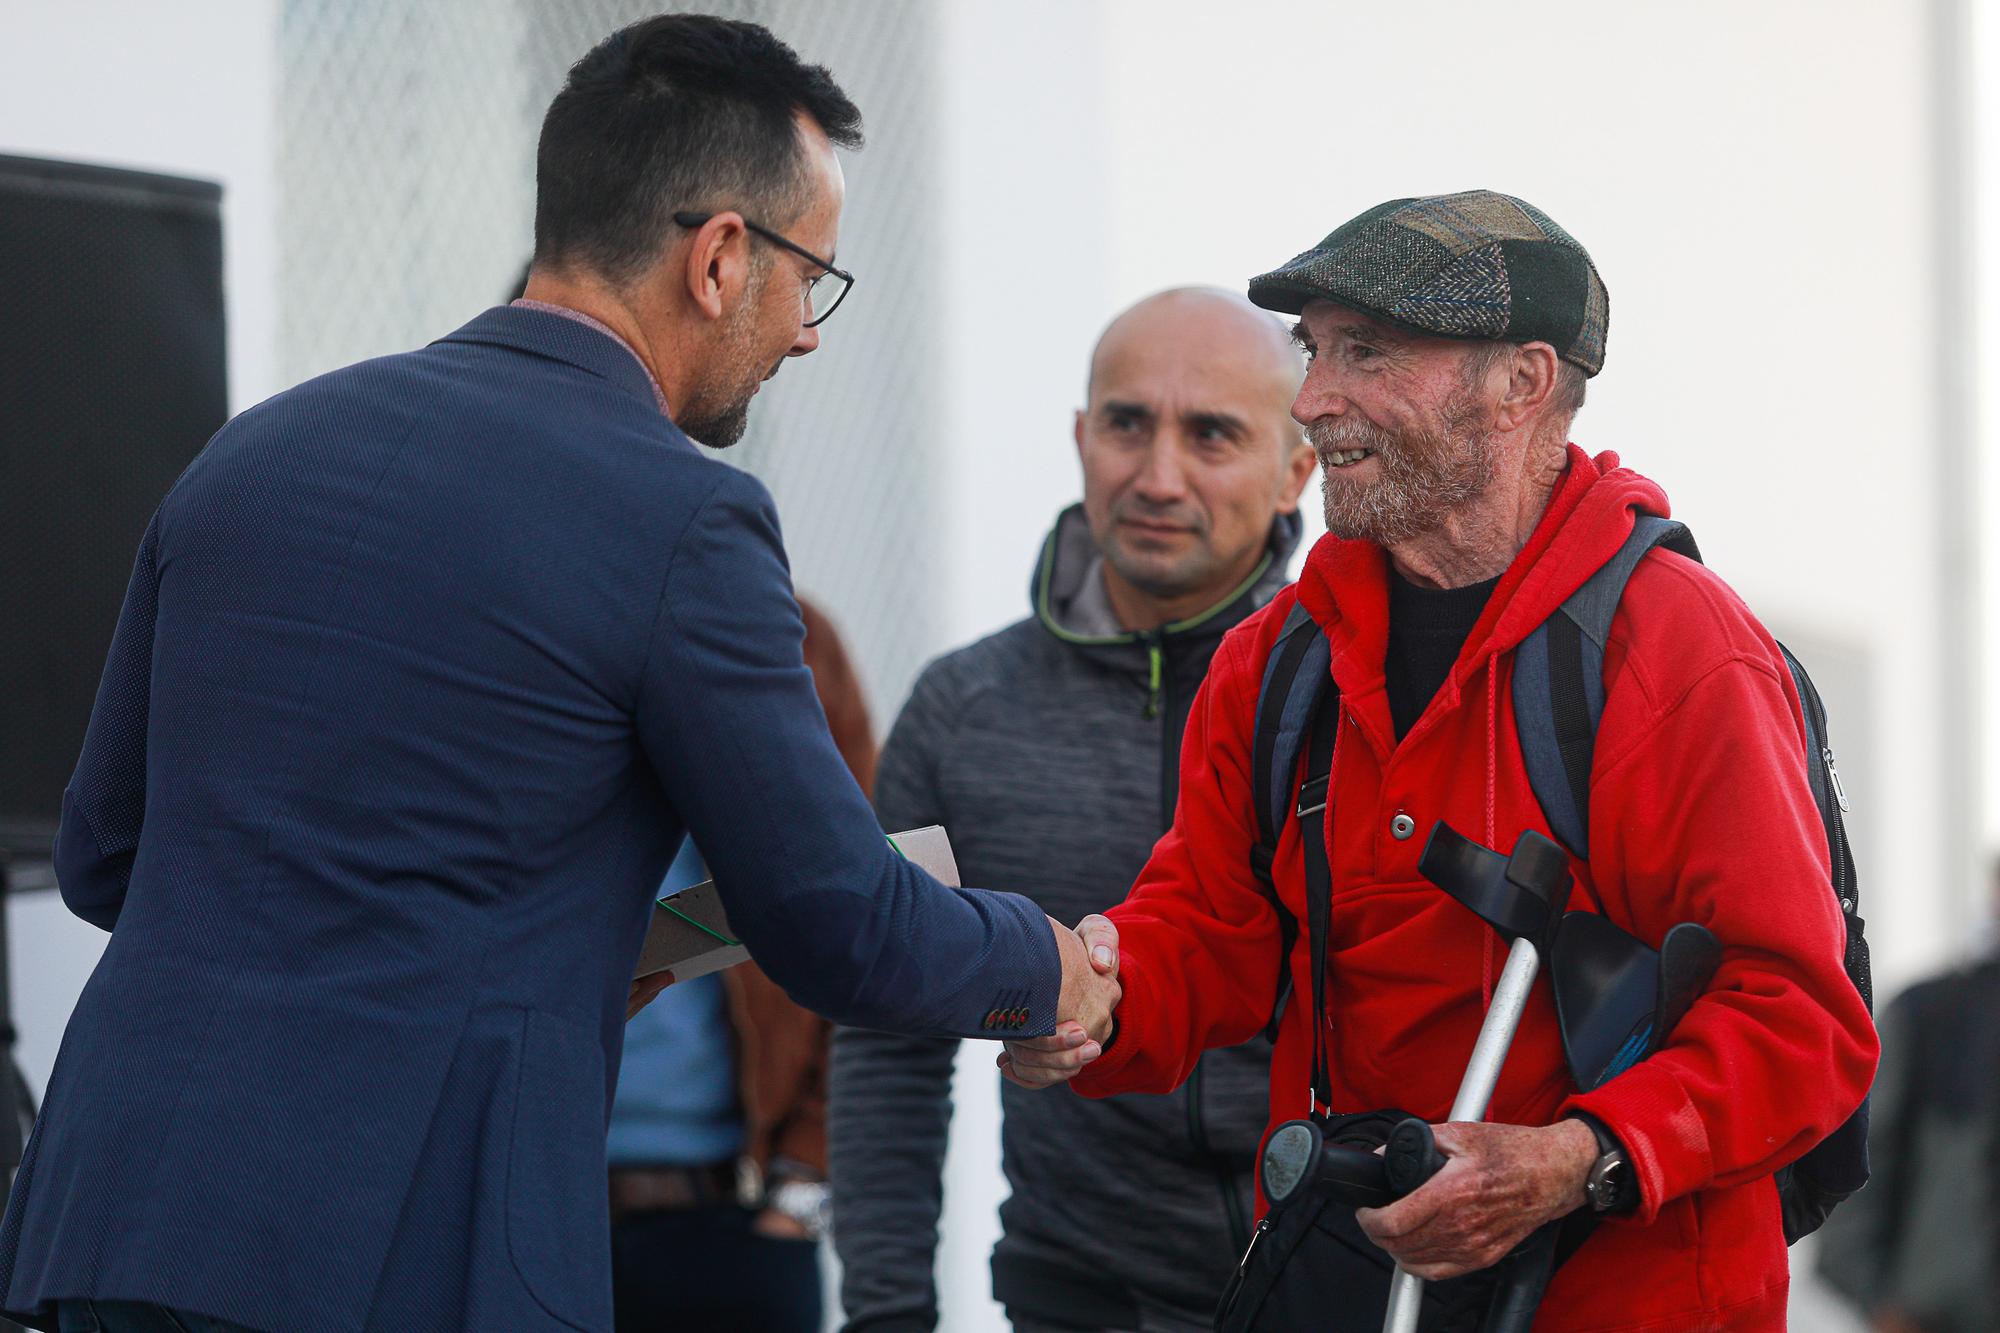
(1700,811)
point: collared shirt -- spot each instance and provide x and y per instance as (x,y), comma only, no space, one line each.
(546,307)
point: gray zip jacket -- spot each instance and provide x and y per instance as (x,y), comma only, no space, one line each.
(1049,752)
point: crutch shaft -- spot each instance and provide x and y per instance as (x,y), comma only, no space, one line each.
(1475,1090)
(1496,1033)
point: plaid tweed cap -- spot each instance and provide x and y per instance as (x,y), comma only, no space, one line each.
(1471,265)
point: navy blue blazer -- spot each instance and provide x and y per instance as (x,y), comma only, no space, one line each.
(425,668)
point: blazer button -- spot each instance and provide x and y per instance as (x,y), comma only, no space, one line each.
(1402,826)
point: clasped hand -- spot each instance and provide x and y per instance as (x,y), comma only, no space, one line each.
(644,991)
(1090,993)
(1500,1182)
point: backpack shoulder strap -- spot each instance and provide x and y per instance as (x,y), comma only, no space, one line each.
(1812,1186)
(1295,674)
(1559,682)
(1296,683)
(1314,793)
(1831,799)
(1558,703)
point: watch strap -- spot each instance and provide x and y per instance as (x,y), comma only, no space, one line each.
(1611,1158)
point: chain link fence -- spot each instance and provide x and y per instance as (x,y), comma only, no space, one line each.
(406,205)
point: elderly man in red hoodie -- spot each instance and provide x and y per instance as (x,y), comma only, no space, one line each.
(1450,340)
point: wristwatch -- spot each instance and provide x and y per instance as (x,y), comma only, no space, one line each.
(807,1202)
(1610,1186)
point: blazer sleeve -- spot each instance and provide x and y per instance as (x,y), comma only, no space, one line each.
(105,803)
(890,1110)
(728,717)
(783,1059)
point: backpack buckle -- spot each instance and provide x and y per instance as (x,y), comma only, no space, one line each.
(1312,797)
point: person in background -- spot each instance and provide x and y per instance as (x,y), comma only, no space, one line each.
(1918,1250)
(1050,751)
(718,1130)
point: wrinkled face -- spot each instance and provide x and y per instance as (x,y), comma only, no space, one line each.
(1402,432)
(1186,450)
(767,323)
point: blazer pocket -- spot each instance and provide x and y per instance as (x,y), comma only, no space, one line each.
(558,1223)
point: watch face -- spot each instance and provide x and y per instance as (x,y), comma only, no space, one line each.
(810,1204)
(1607,1181)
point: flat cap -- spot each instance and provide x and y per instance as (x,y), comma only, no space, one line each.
(1471,265)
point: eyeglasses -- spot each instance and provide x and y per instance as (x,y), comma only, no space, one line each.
(822,298)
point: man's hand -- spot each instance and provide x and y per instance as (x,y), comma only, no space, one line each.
(1501,1182)
(779,1226)
(1090,992)
(645,990)
(1889,1320)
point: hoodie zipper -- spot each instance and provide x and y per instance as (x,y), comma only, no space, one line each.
(1817,738)
(1155,641)
(1156,652)
(1161,708)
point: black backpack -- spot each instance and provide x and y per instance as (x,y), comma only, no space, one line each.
(1558,702)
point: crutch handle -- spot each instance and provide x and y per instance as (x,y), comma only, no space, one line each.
(1412,1156)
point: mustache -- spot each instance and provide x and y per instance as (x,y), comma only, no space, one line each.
(1150,513)
(1333,437)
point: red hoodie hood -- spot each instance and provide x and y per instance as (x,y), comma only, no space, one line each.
(1345,583)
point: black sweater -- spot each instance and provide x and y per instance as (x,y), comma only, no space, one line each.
(1427,630)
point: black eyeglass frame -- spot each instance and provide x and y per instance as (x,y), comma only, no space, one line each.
(693,220)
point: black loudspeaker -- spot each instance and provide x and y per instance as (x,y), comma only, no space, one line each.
(111,380)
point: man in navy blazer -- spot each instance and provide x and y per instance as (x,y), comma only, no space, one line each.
(425,668)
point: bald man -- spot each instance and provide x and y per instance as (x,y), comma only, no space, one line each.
(1050,750)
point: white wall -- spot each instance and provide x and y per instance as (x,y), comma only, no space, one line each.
(1026,288)
(1983,279)
(1028,285)
(185,89)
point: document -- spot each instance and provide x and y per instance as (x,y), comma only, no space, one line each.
(690,933)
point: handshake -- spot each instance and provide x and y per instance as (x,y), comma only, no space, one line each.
(1090,994)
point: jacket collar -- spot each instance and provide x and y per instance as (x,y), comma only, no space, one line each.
(1069,555)
(1345,583)
(539,333)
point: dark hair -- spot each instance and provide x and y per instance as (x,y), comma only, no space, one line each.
(678,112)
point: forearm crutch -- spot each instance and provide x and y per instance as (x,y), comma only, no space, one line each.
(1521,896)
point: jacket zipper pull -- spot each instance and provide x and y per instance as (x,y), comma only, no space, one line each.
(1154,658)
(1839,792)
(1243,1264)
